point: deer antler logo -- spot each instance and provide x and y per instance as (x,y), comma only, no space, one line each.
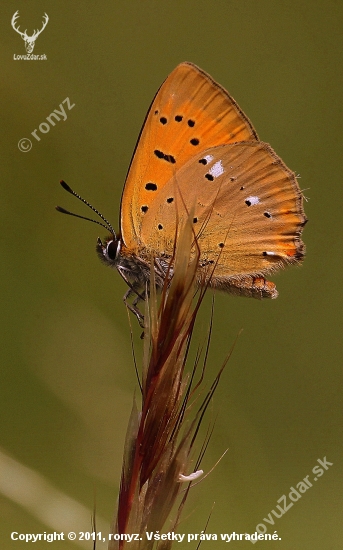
(29,40)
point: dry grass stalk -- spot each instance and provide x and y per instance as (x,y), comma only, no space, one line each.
(160,438)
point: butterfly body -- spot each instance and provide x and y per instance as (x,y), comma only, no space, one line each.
(134,269)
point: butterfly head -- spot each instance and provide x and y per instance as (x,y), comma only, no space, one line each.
(109,250)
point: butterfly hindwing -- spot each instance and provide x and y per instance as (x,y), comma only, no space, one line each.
(248,213)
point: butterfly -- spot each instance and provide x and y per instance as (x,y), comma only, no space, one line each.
(196,143)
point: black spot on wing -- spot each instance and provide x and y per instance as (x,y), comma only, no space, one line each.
(163,156)
(150,186)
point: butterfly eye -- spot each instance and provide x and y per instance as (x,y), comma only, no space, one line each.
(112,249)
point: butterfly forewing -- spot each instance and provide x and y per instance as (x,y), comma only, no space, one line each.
(248,212)
(190,113)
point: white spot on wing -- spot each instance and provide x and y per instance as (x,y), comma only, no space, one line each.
(267,253)
(209,158)
(217,169)
(253,200)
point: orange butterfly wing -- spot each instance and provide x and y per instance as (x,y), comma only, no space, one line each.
(247,208)
(190,113)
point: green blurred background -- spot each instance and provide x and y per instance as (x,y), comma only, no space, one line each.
(67,376)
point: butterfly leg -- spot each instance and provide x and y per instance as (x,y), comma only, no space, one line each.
(133,306)
(133,290)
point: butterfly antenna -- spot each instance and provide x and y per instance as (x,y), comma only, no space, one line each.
(108,226)
(64,211)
